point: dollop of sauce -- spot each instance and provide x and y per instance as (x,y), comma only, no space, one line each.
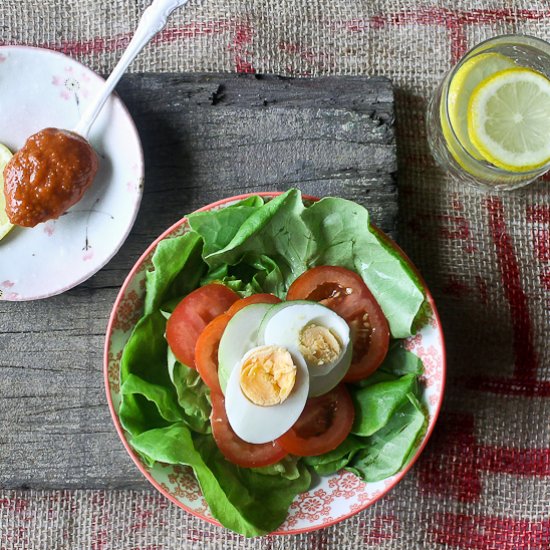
(47,176)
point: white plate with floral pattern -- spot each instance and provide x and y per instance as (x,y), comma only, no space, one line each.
(41,88)
(335,497)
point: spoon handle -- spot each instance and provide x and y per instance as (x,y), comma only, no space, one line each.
(152,21)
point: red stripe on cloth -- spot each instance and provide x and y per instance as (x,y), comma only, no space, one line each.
(475,532)
(443,16)
(524,382)
(526,360)
(448,466)
(453,20)
(243,37)
(514,386)
(538,213)
(505,460)
(101,45)
(316,541)
(16,505)
(508,15)
(459,42)
(541,243)
(380,529)
(193,30)
(454,461)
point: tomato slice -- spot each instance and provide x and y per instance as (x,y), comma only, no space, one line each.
(324,423)
(206,351)
(345,292)
(370,335)
(192,314)
(254,299)
(335,287)
(233,447)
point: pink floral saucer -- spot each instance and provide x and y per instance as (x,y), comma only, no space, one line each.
(40,88)
(333,498)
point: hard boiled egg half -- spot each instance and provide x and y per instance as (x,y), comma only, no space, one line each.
(272,357)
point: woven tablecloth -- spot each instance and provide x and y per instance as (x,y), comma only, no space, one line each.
(484,480)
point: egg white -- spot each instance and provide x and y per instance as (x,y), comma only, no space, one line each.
(319,385)
(257,424)
(240,335)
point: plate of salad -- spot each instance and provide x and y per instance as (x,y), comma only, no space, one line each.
(274,363)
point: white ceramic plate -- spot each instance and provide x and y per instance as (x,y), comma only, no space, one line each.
(334,498)
(38,89)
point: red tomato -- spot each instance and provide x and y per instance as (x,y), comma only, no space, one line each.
(254,299)
(233,447)
(370,335)
(324,423)
(192,314)
(345,292)
(206,350)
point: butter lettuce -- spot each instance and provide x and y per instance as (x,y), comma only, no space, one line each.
(242,499)
(263,246)
(193,395)
(331,231)
(332,462)
(389,449)
(178,266)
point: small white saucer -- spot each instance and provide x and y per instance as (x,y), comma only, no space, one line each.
(38,89)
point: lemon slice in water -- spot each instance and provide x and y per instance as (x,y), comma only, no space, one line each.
(5,225)
(468,76)
(509,119)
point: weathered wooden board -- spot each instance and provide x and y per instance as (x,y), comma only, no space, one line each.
(204,137)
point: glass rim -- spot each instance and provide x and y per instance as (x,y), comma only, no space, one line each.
(486,165)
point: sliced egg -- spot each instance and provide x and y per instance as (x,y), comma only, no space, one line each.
(320,334)
(266,393)
(240,335)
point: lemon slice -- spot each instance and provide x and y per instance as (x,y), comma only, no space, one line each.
(509,119)
(5,225)
(469,75)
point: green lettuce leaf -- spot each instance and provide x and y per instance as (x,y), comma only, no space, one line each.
(335,460)
(243,500)
(397,362)
(377,403)
(275,230)
(387,451)
(146,392)
(261,274)
(342,236)
(294,237)
(286,467)
(139,401)
(193,394)
(177,268)
(219,227)
(145,352)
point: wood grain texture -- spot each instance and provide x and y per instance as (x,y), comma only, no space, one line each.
(205,137)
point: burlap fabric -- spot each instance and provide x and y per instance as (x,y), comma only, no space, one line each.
(484,480)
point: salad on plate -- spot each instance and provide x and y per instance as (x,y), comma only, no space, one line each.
(270,352)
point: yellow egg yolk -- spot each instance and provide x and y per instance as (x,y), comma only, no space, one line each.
(319,345)
(268,375)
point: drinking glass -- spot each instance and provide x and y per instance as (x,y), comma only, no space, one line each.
(448,150)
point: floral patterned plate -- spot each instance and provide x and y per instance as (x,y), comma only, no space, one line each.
(333,498)
(40,88)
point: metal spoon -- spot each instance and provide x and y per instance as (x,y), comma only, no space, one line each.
(152,21)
